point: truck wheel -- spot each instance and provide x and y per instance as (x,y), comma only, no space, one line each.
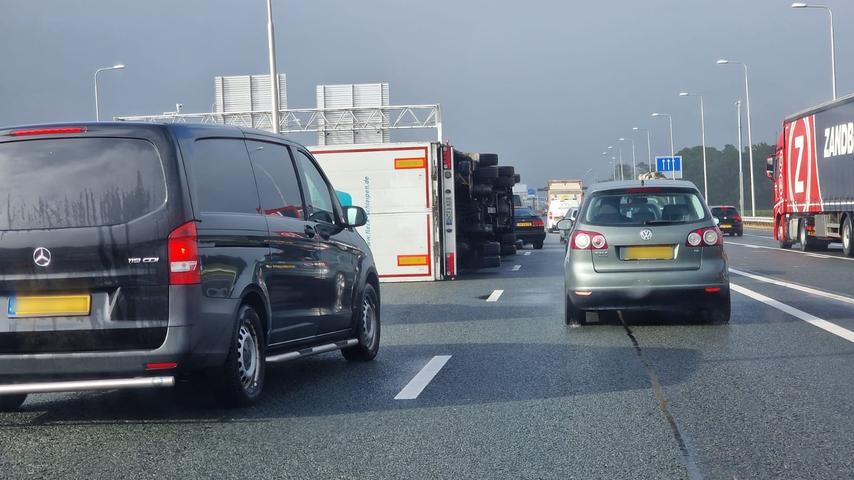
(367,328)
(486,173)
(572,315)
(781,236)
(803,238)
(847,237)
(242,376)
(509,238)
(488,159)
(506,171)
(492,261)
(490,249)
(481,190)
(503,182)
(10,403)
(508,249)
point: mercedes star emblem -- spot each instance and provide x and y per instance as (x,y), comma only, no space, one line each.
(41,257)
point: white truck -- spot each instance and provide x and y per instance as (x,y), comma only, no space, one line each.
(561,196)
(407,190)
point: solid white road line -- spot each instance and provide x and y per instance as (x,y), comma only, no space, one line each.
(759,236)
(527,253)
(811,319)
(423,378)
(795,286)
(495,295)
(516,268)
(809,254)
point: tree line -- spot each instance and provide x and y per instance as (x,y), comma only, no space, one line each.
(722,173)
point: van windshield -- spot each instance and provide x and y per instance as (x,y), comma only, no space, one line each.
(644,206)
(78,182)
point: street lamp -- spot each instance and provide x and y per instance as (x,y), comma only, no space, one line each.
(703,136)
(749,133)
(648,147)
(634,161)
(832,41)
(672,152)
(740,170)
(274,77)
(97,108)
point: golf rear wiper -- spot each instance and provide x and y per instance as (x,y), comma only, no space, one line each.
(660,222)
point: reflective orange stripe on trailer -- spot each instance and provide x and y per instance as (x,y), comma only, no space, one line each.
(409,163)
(413,260)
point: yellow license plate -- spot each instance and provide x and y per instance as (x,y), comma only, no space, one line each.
(654,252)
(524,224)
(49,306)
(726,225)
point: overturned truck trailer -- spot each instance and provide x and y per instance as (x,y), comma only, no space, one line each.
(432,210)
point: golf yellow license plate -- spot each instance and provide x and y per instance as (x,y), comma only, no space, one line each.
(49,306)
(726,225)
(524,224)
(652,252)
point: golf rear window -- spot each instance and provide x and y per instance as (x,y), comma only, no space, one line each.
(724,211)
(644,206)
(78,182)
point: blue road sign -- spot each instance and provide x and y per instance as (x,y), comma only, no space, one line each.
(671,167)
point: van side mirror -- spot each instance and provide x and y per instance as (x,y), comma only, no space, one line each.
(769,167)
(355,216)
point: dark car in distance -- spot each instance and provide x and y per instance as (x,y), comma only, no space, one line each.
(529,227)
(139,255)
(729,218)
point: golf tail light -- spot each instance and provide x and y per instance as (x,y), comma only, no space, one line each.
(737,218)
(704,237)
(47,131)
(184,265)
(538,222)
(583,240)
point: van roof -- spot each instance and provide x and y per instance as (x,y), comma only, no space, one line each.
(180,129)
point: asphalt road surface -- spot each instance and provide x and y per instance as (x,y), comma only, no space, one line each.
(480,378)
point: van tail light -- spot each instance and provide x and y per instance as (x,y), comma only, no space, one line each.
(47,131)
(584,240)
(184,265)
(538,222)
(550,215)
(705,237)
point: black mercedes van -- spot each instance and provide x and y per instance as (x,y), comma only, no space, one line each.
(138,255)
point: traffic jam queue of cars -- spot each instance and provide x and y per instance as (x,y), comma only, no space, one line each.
(178,254)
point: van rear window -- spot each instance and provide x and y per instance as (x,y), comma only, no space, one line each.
(78,182)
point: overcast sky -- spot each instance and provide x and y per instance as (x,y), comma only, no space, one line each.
(545,84)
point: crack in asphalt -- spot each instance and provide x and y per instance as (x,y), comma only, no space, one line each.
(681,439)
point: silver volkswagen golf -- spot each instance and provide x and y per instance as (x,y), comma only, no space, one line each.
(645,245)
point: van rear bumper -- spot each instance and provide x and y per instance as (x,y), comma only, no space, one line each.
(197,337)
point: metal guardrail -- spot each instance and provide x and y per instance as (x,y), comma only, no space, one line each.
(758,221)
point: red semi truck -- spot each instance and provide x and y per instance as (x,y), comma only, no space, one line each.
(813,172)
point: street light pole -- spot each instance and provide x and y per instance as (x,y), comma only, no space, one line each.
(620,148)
(703,137)
(672,151)
(97,106)
(832,41)
(634,160)
(749,133)
(274,77)
(740,170)
(648,147)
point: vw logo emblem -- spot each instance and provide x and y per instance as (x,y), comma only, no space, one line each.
(646,234)
(41,257)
